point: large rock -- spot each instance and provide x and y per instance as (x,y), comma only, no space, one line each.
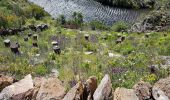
(17,88)
(163,85)
(125,94)
(159,94)
(90,87)
(5,81)
(76,93)
(51,89)
(29,95)
(104,90)
(143,90)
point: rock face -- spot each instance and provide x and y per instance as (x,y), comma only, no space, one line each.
(51,89)
(143,90)
(76,93)
(125,94)
(17,88)
(163,85)
(104,90)
(5,81)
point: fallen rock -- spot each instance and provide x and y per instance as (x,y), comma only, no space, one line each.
(76,93)
(163,85)
(125,94)
(104,90)
(5,81)
(51,89)
(143,90)
(17,88)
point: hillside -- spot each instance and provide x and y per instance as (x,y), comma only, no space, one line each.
(32,42)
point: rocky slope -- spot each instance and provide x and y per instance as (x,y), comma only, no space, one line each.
(52,88)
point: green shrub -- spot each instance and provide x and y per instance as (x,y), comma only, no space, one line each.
(99,25)
(35,11)
(41,70)
(119,26)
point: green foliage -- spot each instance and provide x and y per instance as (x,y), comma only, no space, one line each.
(62,20)
(99,25)
(14,14)
(119,26)
(77,18)
(41,70)
(35,11)
(151,78)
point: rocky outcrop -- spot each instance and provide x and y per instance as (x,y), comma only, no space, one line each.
(162,85)
(76,93)
(17,88)
(125,94)
(104,90)
(5,81)
(143,90)
(51,89)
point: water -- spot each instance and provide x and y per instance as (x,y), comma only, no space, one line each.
(90,9)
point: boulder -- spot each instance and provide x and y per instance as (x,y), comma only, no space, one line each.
(92,84)
(125,94)
(104,90)
(5,81)
(51,89)
(163,85)
(158,94)
(76,93)
(143,90)
(90,87)
(28,95)
(17,88)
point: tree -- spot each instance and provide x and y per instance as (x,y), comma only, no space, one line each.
(62,19)
(77,18)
